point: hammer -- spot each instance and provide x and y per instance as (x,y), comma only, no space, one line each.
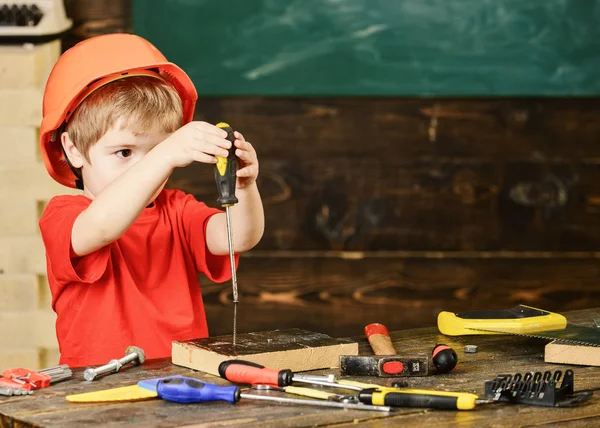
(387,363)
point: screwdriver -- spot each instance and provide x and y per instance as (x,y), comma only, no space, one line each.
(225,176)
(240,371)
(421,398)
(182,389)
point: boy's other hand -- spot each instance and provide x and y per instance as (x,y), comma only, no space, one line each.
(247,161)
(195,142)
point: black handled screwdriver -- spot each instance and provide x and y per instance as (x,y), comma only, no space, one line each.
(225,176)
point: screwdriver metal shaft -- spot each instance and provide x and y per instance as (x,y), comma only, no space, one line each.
(316,402)
(231,255)
(233,273)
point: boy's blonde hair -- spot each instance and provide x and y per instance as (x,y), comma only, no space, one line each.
(144,103)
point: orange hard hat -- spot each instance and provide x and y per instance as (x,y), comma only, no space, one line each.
(89,65)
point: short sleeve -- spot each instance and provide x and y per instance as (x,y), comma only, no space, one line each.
(56,226)
(195,216)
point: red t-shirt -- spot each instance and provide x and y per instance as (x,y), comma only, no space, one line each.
(141,290)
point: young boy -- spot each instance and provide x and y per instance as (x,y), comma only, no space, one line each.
(123,258)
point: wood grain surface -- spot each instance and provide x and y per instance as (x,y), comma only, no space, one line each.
(497,354)
(339,293)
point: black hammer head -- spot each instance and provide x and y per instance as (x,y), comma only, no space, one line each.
(384,365)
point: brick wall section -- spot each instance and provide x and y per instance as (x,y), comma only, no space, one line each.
(26,319)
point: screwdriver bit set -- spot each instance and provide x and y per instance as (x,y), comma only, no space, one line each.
(536,389)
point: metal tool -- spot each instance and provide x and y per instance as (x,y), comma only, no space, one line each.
(420,398)
(189,390)
(240,371)
(225,176)
(387,363)
(324,378)
(34,379)
(521,321)
(133,354)
(471,349)
(536,389)
(8,391)
(353,406)
(309,392)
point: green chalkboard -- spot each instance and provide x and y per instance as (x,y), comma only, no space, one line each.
(379,47)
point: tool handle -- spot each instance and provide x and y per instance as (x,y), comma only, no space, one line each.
(309,392)
(521,319)
(27,379)
(420,398)
(225,171)
(379,338)
(190,390)
(240,371)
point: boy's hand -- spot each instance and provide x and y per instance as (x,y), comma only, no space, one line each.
(247,162)
(195,142)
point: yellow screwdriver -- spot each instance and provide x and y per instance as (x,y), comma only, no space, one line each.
(406,397)
(225,176)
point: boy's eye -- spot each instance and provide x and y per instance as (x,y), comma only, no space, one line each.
(125,153)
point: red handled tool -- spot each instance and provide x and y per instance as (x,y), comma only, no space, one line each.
(443,357)
(240,371)
(30,379)
(387,363)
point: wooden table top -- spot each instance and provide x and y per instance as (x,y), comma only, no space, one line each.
(497,355)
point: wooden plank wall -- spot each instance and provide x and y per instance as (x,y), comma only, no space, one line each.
(392,209)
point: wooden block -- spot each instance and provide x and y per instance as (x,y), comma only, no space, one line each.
(562,353)
(22,329)
(22,255)
(20,107)
(27,357)
(18,217)
(30,181)
(20,144)
(294,349)
(19,292)
(27,66)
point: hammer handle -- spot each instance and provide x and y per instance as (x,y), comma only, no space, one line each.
(379,338)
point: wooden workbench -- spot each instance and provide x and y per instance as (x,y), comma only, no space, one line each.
(497,354)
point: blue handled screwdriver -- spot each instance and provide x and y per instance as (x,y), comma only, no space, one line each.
(181,389)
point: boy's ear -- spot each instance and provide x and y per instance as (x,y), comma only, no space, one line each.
(71,151)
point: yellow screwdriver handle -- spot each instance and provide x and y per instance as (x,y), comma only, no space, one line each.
(424,398)
(225,171)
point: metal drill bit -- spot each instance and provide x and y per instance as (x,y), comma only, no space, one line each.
(233,273)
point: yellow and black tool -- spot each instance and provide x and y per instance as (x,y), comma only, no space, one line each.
(420,398)
(519,320)
(226,178)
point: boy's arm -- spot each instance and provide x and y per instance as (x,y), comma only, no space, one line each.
(248,218)
(112,211)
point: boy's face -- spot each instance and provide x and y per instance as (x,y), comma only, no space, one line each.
(113,154)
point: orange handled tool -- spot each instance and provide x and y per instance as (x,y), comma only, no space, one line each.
(239,371)
(443,357)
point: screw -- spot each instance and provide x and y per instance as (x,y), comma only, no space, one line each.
(133,354)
